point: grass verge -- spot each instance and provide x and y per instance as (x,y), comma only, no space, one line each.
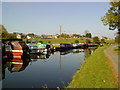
(117,49)
(63,40)
(58,41)
(94,73)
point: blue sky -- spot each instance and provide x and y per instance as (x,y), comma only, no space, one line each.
(0,13)
(46,17)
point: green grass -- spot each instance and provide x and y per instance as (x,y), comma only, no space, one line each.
(70,40)
(58,41)
(110,41)
(94,73)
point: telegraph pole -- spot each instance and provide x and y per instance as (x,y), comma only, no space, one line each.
(60,30)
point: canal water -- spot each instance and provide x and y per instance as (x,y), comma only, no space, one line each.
(47,70)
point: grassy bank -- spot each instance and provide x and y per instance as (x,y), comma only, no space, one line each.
(60,40)
(94,73)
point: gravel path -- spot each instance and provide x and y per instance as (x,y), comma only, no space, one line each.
(110,53)
(115,59)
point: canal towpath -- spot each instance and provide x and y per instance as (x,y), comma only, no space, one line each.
(114,59)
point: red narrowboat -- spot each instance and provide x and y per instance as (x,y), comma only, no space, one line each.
(14,48)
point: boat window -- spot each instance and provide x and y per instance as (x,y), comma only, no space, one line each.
(8,47)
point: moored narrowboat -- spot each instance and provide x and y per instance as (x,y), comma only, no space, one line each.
(64,47)
(14,48)
(39,48)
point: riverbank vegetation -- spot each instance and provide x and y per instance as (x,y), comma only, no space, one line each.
(94,73)
(117,49)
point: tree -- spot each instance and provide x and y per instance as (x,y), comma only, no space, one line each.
(87,41)
(112,17)
(88,35)
(86,31)
(117,39)
(87,52)
(3,31)
(11,36)
(76,35)
(102,41)
(5,34)
(43,36)
(104,37)
(96,40)
(64,35)
(31,34)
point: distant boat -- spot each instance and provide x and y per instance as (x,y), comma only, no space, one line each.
(92,45)
(33,48)
(64,47)
(43,47)
(76,45)
(38,48)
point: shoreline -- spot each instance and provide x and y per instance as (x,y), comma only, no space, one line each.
(95,72)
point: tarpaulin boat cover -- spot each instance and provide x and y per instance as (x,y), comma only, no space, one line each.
(18,45)
(43,46)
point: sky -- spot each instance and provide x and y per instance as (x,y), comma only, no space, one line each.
(46,17)
(58,0)
(0,13)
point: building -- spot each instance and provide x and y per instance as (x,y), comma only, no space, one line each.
(18,36)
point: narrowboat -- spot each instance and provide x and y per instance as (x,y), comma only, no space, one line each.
(14,48)
(92,45)
(43,47)
(33,48)
(64,47)
(76,45)
(38,48)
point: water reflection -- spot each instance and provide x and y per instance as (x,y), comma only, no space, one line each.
(35,57)
(88,52)
(19,64)
(14,65)
(60,67)
(71,51)
(66,52)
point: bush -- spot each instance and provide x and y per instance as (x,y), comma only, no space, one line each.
(41,42)
(76,41)
(49,41)
(117,39)
(96,40)
(102,41)
(87,41)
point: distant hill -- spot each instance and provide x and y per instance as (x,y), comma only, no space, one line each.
(2,29)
